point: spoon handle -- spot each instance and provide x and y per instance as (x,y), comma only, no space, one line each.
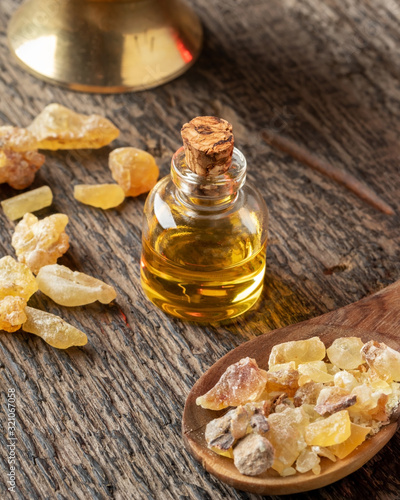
(378,313)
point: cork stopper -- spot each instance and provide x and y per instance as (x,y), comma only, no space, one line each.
(208,143)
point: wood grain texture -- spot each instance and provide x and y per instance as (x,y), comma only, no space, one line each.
(104,421)
(373,318)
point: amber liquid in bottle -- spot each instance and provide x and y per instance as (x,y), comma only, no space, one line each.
(177,275)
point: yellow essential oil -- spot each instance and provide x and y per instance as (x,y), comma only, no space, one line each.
(204,242)
(202,292)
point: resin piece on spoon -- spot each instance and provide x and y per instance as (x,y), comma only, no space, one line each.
(300,351)
(242,382)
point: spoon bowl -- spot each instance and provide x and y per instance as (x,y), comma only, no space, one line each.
(374,318)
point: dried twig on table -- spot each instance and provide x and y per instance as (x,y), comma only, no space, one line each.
(307,158)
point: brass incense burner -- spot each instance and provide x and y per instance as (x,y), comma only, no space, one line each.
(105,45)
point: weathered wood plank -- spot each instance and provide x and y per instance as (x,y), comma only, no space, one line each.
(104,421)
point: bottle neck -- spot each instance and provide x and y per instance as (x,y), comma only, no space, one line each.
(208,191)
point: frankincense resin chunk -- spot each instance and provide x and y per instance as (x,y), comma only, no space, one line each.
(39,243)
(345,353)
(357,436)
(71,288)
(135,170)
(300,351)
(283,381)
(17,284)
(283,366)
(16,279)
(314,371)
(12,313)
(19,159)
(253,455)
(384,360)
(31,201)
(345,379)
(241,383)
(222,433)
(329,431)
(332,399)
(324,452)
(58,127)
(308,460)
(218,434)
(287,436)
(99,195)
(307,394)
(367,399)
(52,329)
(16,139)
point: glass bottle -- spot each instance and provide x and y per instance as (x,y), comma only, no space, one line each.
(204,240)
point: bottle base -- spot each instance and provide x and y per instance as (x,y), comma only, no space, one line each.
(203,315)
(202,293)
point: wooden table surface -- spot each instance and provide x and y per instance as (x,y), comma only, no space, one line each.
(104,421)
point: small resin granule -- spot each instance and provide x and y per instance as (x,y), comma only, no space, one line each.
(17,284)
(135,170)
(16,279)
(346,353)
(99,195)
(31,201)
(12,313)
(19,159)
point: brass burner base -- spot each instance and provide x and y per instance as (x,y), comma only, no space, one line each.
(105,45)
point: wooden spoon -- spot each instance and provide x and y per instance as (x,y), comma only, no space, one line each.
(374,318)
